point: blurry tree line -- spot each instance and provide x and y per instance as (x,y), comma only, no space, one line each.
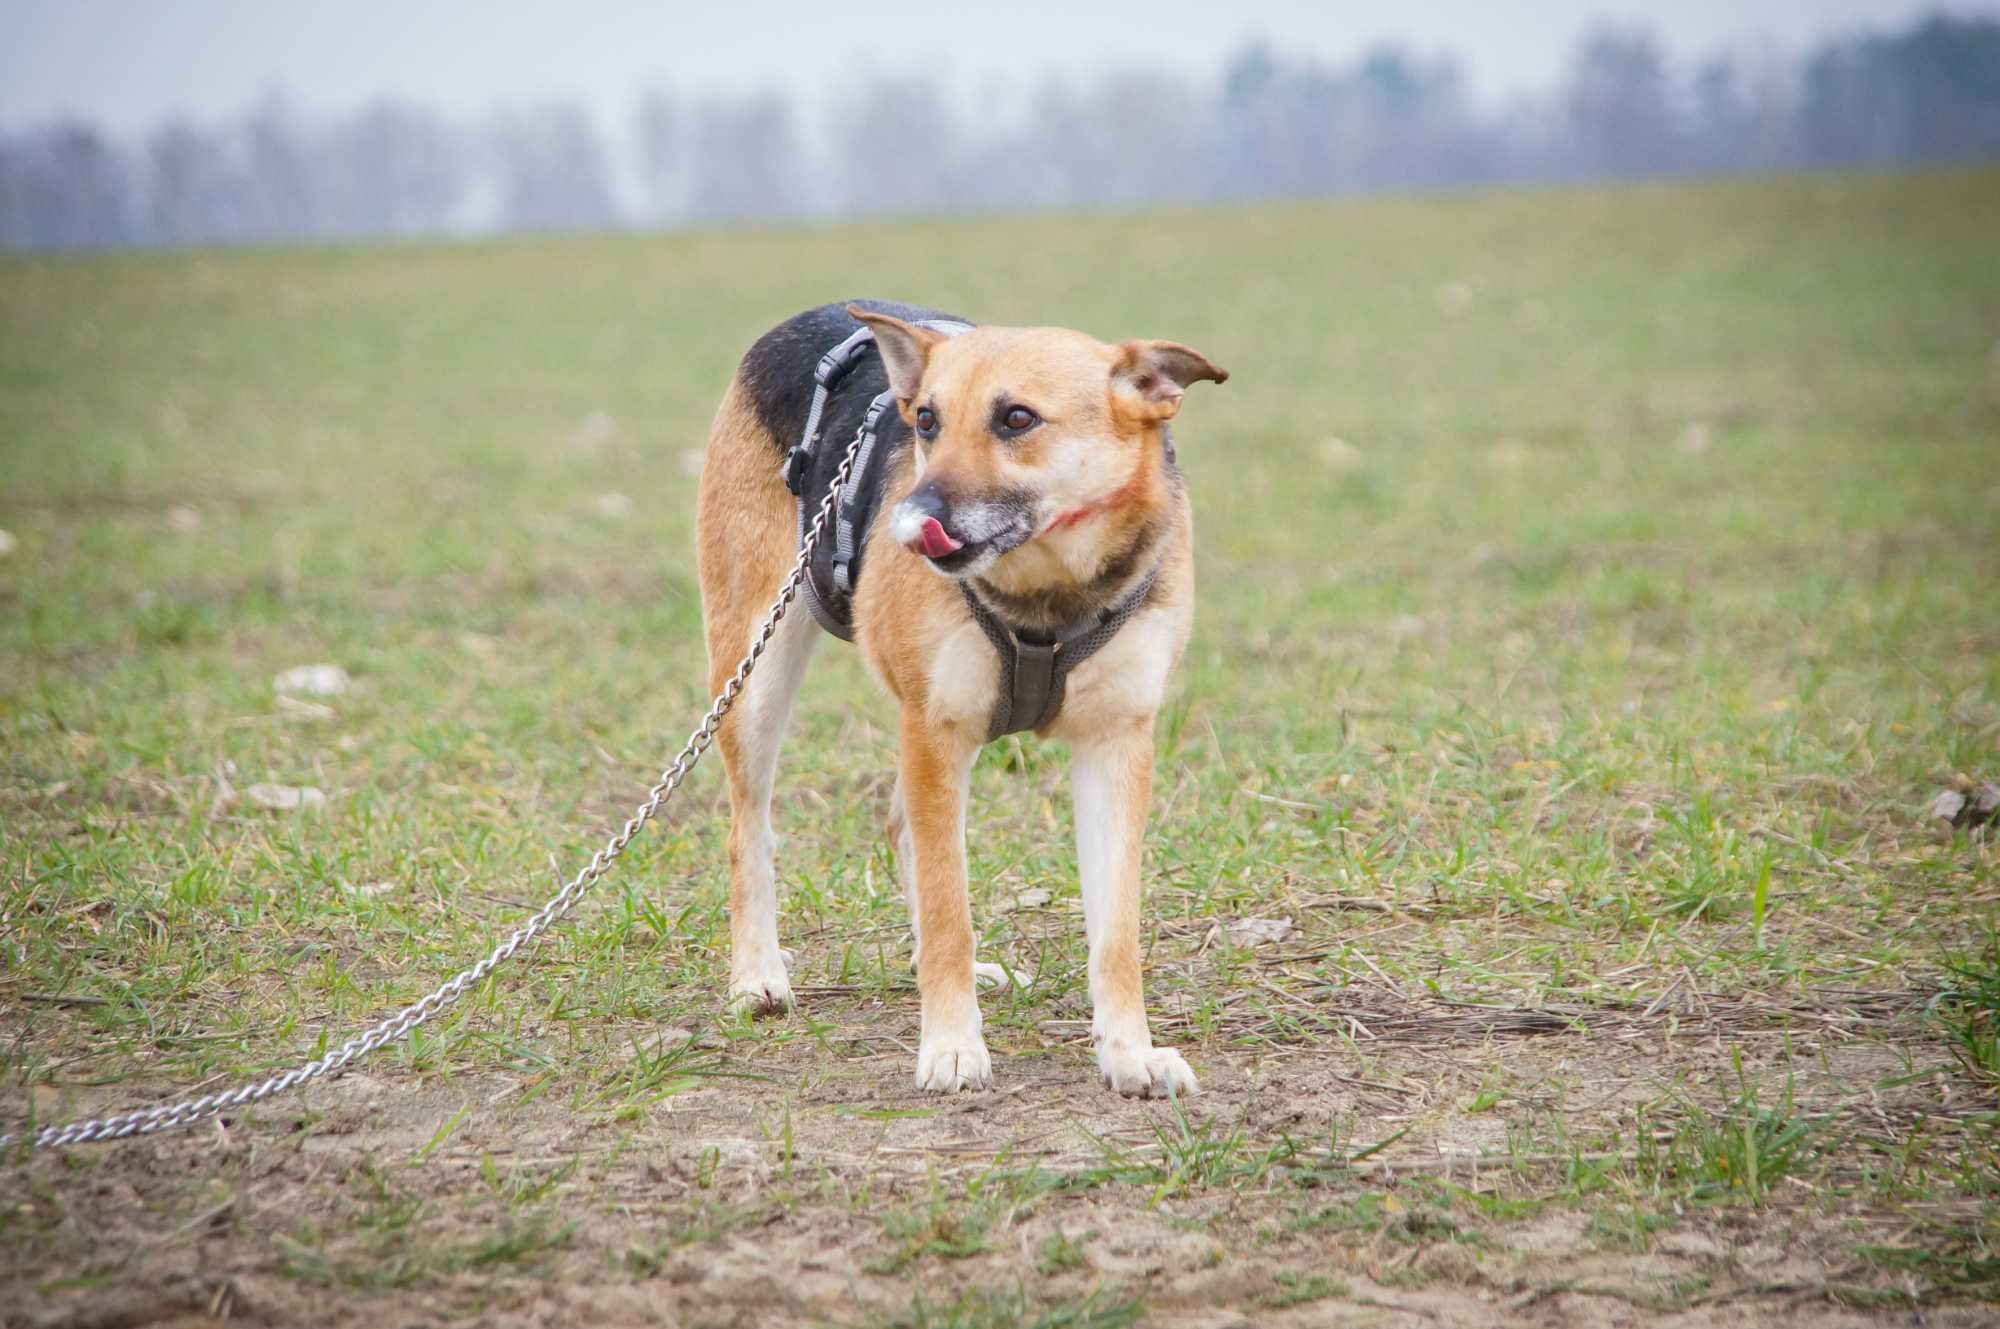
(1269,126)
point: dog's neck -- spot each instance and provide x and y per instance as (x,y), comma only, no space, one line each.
(1044,594)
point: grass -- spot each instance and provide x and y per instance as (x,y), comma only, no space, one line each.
(1013,1310)
(1971,1009)
(1576,654)
(1740,1149)
(1296,1289)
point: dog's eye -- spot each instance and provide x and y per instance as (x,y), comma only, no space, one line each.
(926,422)
(1020,419)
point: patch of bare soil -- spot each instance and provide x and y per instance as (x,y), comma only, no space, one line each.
(804,1181)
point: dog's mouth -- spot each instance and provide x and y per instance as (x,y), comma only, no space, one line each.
(957,562)
(959,559)
(944,551)
(959,553)
(934,542)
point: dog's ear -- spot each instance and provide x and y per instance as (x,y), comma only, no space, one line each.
(904,349)
(1149,377)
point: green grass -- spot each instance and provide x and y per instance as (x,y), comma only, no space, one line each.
(1573,664)
(1971,1008)
(1013,1310)
(1297,1289)
(1741,1148)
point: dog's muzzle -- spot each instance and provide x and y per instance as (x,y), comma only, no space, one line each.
(955,539)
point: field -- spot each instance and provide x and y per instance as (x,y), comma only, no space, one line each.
(1597,588)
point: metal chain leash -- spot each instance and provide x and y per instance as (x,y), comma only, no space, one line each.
(148,1121)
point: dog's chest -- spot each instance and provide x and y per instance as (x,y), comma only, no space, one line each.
(1124,681)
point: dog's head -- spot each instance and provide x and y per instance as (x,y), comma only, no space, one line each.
(1023,432)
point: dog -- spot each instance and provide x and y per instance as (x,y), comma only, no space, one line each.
(1027,486)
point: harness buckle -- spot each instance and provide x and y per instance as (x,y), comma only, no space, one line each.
(834,364)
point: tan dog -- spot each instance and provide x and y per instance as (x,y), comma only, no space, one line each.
(1041,475)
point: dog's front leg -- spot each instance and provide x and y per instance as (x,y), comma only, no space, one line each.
(936,767)
(1113,780)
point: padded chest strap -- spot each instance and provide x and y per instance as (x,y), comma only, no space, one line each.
(1034,669)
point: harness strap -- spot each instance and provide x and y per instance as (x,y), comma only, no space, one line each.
(829,603)
(845,538)
(832,367)
(1034,670)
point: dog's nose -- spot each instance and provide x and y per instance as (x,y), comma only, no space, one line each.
(920,524)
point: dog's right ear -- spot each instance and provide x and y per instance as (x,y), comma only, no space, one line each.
(905,348)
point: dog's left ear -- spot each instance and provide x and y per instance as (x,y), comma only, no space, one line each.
(1149,378)
(904,348)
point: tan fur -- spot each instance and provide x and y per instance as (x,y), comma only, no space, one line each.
(1103,500)
(743,553)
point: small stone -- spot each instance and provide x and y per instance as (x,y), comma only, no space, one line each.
(314,680)
(183,520)
(285,797)
(1254,931)
(8,544)
(1032,898)
(1963,805)
(613,505)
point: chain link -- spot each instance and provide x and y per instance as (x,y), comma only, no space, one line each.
(148,1121)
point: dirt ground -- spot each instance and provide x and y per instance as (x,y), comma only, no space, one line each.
(825,1190)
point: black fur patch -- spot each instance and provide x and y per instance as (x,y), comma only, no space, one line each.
(777,371)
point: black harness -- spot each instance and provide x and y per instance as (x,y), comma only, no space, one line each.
(1034,667)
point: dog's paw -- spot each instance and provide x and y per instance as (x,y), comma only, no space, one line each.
(1000,976)
(1151,1073)
(767,993)
(946,1065)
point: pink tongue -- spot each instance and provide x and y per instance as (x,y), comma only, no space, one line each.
(934,542)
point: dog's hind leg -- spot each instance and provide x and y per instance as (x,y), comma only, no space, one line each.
(750,741)
(746,544)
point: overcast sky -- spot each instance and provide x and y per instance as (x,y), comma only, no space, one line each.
(129,63)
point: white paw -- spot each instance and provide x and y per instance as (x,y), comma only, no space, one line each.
(767,991)
(1151,1073)
(1000,976)
(947,1065)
